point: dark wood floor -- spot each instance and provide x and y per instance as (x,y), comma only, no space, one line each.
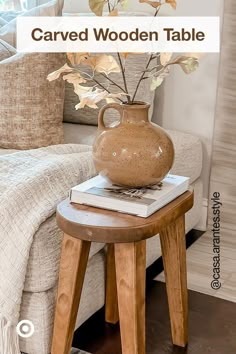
(212,323)
(212,327)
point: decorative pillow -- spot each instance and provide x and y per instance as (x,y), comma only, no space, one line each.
(51,8)
(6,50)
(31,107)
(135,64)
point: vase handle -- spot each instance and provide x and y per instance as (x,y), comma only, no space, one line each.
(115,106)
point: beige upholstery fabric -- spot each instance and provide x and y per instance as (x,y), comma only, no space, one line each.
(51,8)
(188,148)
(31,108)
(32,184)
(6,50)
(39,309)
(42,270)
(135,64)
(39,306)
(188,155)
(79,134)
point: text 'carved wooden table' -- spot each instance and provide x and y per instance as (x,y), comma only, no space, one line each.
(126,237)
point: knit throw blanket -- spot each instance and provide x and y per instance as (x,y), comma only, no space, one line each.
(32,183)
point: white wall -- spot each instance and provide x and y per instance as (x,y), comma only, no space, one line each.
(189,100)
(189,106)
(186,102)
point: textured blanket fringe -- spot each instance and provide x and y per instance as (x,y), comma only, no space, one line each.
(9,340)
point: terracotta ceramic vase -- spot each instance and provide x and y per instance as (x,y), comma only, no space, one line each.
(134,153)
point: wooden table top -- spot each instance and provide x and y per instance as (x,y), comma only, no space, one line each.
(100,225)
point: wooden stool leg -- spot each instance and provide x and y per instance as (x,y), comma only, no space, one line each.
(174,259)
(74,257)
(130,260)
(111,307)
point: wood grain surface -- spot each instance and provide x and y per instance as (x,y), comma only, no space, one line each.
(174,260)
(130,259)
(100,225)
(111,305)
(74,257)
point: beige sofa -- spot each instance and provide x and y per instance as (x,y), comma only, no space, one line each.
(41,280)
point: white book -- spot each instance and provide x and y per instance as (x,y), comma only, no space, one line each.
(97,192)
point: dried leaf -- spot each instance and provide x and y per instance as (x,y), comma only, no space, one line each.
(156,82)
(164,72)
(103,64)
(114,13)
(165,58)
(77,58)
(90,96)
(187,64)
(110,100)
(80,90)
(97,6)
(117,95)
(172,3)
(124,4)
(56,74)
(74,78)
(159,77)
(110,97)
(154,4)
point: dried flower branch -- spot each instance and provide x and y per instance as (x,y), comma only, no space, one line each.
(157,68)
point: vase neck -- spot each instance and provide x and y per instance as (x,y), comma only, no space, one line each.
(135,113)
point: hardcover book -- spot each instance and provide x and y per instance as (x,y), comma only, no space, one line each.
(143,202)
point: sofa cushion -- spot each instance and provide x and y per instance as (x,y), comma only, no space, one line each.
(135,64)
(31,108)
(188,155)
(39,307)
(42,269)
(188,148)
(8,32)
(79,134)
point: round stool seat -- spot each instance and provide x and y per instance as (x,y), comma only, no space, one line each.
(100,225)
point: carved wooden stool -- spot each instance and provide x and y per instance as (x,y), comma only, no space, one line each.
(126,266)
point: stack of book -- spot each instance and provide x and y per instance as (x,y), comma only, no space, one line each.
(100,193)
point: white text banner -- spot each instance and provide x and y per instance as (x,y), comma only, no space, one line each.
(118,34)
